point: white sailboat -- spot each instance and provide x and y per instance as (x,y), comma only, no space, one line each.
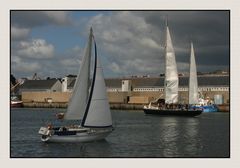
(88,104)
(169,105)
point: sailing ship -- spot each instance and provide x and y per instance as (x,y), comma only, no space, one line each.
(88,105)
(169,105)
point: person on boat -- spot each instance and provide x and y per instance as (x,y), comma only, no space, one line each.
(167,106)
(59,116)
(64,129)
(160,106)
(179,106)
(50,126)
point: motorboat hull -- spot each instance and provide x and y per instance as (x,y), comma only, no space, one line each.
(206,108)
(16,103)
(173,112)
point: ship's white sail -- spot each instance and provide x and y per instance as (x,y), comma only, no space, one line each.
(98,114)
(80,94)
(193,83)
(171,74)
(90,103)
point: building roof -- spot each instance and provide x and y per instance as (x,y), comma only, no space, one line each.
(159,81)
(71,84)
(38,84)
(207,81)
(113,83)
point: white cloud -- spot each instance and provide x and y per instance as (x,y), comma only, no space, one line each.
(149,43)
(19,33)
(70,62)
(183,67)
(114,67)
(36,48)
(72,57)
(19,65)
(128,41)
(31,19)
(58,17)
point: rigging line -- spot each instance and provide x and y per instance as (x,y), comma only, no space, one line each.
(92,87)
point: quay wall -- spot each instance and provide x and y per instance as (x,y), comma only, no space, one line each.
(44,105)
(60,97)
(114,106)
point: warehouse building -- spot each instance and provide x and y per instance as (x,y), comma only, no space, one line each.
(133,90)
(143,90)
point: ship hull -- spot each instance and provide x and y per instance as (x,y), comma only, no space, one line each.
(16,104)
(207,108)
(173,112)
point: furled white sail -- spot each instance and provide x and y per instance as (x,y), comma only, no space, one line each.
(193,83)
(99,114)
(78,101)
(171,74)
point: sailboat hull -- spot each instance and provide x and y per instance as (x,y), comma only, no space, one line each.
(74,136)
(173,112)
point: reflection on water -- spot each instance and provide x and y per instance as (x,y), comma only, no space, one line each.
(76,149)
(184,130)
(169,136)
(193,141)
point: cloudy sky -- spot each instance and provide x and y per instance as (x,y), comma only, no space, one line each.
(51,43)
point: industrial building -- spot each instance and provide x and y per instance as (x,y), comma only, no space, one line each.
(143,90)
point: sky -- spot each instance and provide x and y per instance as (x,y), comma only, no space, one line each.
(51,43)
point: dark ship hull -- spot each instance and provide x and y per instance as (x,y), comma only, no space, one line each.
(173,112)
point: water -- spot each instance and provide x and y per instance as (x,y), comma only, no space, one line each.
(135,135)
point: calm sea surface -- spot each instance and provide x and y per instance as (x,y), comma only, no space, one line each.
(135,135)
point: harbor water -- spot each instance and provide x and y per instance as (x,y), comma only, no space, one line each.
(136,135)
